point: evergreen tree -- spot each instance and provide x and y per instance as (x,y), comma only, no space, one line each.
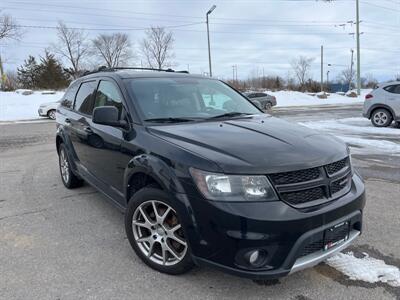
(28,73)
(51,74)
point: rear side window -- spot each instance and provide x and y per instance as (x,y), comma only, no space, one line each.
(84,100)
(108,95)
(69,96)
(395,89)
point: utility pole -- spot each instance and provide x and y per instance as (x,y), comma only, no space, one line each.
(327,80)
(208,39)
(351,70)
(358,47)
(322,68)
(233,73)
(236,73)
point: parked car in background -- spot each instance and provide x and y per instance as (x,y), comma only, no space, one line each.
(48,109)
(266,101)
(382,105)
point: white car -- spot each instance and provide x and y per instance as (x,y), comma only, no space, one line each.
(48,109)
(382,105)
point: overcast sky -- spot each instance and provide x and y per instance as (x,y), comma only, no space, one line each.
(264,34)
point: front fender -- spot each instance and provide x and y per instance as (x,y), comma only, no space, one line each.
(155,167)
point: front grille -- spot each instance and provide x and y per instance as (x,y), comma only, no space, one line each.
(314,186)
(339,185)
(337,166)
(296,176)
(304,196)
(312,248)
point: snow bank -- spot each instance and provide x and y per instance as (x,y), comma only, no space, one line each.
(16,106)
(290,98)
(366,268)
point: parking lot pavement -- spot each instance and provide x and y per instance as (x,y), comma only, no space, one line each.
(70,244)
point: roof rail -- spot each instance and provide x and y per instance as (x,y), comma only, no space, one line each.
(108,69)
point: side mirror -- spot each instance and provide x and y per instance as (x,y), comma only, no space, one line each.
(108,115)
(258,104)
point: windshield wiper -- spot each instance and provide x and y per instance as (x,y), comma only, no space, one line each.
(230,114)
(168,120)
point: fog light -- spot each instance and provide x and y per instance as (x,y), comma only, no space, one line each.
(256,258)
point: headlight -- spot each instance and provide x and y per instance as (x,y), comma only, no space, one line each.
(221,187)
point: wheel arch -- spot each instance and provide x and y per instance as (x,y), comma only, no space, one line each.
(144,170)
(380,106)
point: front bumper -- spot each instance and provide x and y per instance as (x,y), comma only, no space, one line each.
(42,113)
(221,233)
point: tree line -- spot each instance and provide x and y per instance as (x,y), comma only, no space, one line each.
(81,54)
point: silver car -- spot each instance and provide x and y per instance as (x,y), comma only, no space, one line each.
(382,105)
(266,101)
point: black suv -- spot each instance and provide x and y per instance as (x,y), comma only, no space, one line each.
(205,177)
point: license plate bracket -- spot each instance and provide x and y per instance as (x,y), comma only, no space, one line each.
(336,235)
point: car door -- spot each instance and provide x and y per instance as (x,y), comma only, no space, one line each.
(393,98)
(79,120)
(107,161)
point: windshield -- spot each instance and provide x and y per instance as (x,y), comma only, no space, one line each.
(189,98)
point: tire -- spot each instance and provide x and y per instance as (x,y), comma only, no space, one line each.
(154,237)
(68,178)
(51,114)
(381,117)
(268,106)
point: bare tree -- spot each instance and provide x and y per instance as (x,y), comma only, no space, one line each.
(8,28)
(73,46)
(301,67)
(157,47)
(114,49)
(347,76)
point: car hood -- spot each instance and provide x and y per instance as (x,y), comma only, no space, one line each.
(256,145)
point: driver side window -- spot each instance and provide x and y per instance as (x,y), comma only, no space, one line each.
(215,100)
(108,95)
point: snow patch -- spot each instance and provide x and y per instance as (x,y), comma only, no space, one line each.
(291,98)
(360,133)
(17,106)
(367,268)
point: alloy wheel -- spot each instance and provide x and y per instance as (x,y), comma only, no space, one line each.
(52,114)
(380,118)
(158,233)
(64,166)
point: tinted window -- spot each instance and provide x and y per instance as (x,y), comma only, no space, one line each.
(108,95)
(393,89)
(84,99)
(186,97)
(69,96)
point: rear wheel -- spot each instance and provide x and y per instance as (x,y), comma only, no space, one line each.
(381,118)
(69,179)
(268,106)
(52,114)
(155,233)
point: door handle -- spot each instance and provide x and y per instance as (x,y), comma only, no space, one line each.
(88,129)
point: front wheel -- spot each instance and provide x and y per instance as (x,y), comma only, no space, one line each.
(155,233)
(52,114)
(381,118)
